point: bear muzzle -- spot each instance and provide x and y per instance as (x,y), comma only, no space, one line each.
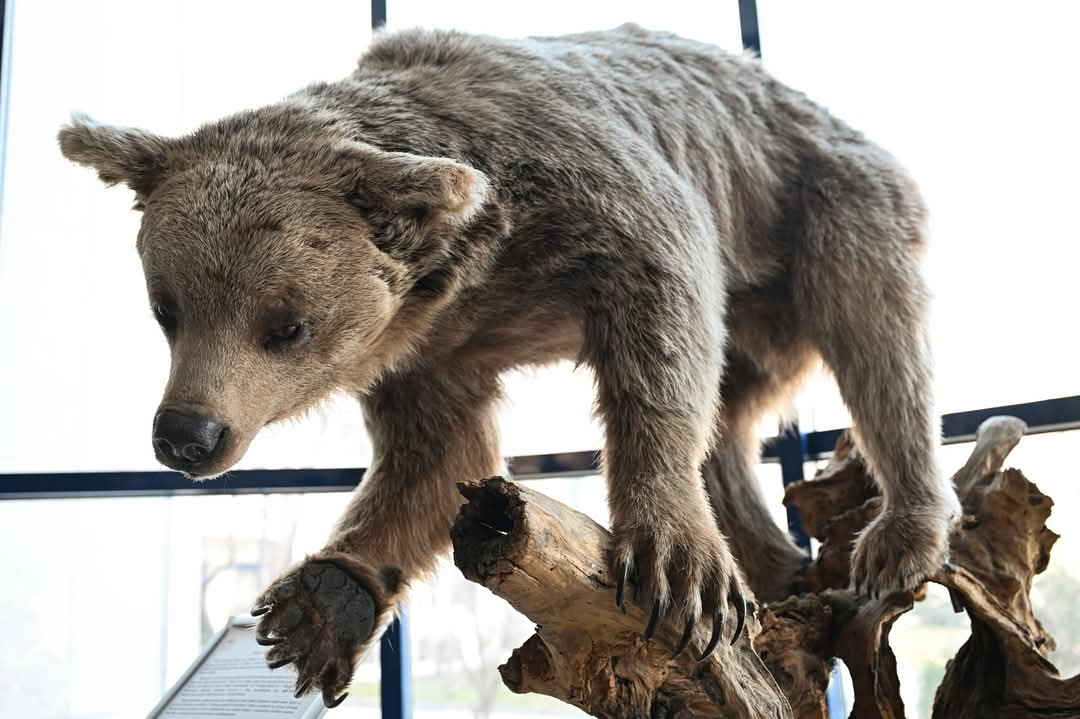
(187,441)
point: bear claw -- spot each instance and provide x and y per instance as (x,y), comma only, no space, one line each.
(717,630)
(654,621)
(265,641)
(685,640)
(620,589)
(739,601)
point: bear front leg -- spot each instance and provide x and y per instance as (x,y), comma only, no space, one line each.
(323,614)
(658,363)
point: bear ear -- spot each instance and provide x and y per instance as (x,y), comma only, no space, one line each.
(400,181)
(119,154)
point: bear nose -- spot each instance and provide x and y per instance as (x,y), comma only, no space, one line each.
(183,439)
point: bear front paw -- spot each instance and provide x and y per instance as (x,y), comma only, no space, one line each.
(692,573)
(318,618)
(899,550)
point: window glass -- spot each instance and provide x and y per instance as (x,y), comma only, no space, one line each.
(710,22)
(105,364)
(108,601)
(988,130)
(82,355)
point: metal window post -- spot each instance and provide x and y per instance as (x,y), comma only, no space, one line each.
(395,685)
(790,450)
(6,12)
(751,37)
(378,14)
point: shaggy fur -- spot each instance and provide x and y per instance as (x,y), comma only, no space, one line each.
(667,213)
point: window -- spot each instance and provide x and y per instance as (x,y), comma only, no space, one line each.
(711,22)
(82,355)
(109,600)
(978,101)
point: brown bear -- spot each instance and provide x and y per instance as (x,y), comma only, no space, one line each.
(660,210)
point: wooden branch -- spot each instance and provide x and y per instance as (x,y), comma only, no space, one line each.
(795,644)
(550,563)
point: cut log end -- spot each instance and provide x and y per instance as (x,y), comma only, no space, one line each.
(483,535)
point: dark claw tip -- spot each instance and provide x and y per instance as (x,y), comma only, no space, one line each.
(265,641)
(259,611)
(654,621)
(278,664)
(717,630)
(331,703)
(620,589)
(687,634)
(957,600)
(302,689)
(740,615)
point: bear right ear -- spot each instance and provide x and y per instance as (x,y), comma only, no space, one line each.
(399,180)
(119,154)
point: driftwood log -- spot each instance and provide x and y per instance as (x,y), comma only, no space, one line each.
(550,563)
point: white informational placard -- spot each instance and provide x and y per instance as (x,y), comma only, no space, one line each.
(230,680)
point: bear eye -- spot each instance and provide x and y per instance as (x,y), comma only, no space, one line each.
(165,316)
(287,336)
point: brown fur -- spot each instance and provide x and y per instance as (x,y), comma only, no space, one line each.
(669,214)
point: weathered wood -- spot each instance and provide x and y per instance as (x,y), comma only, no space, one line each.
(863,643)
(795,643)
(550,563)
(834,507)
(997,548)
(1002,543)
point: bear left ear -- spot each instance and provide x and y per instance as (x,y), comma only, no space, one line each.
(119,154)
(399,180)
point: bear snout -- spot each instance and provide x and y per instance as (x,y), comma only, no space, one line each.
(186,441)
